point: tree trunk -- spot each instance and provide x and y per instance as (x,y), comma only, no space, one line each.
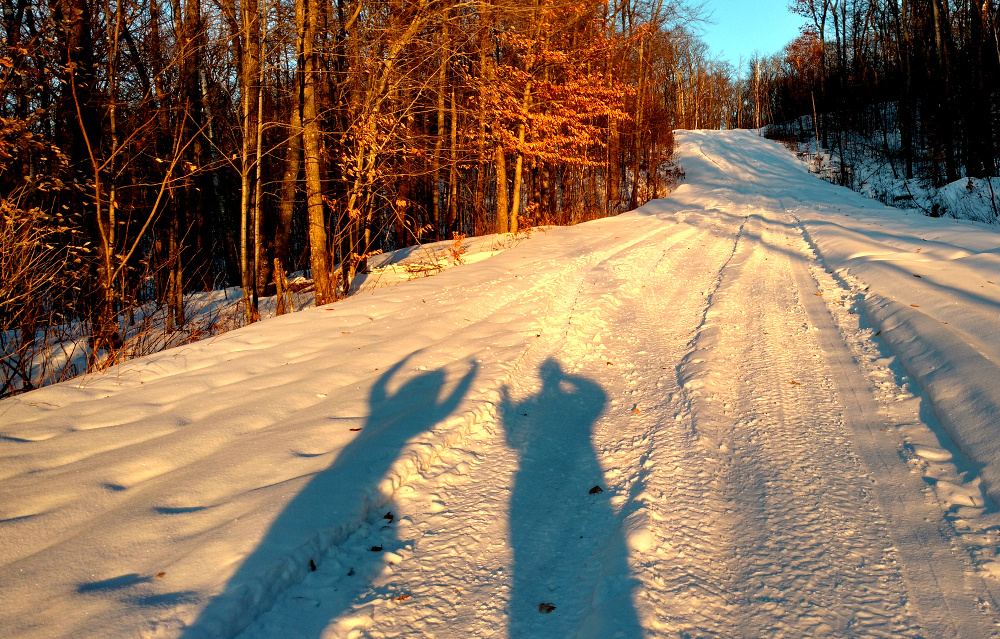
(440,132)
(249,98)
(453,225)
(306,18)
(633,200)
(478,209)
(518,164)
(503,222)
(289,184)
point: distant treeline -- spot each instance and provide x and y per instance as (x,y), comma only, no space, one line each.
(919,79)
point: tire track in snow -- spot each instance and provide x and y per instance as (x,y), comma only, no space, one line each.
(812,553)
(676,517)
(485,607)
(951,599)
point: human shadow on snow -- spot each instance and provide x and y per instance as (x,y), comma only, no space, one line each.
(568,548)
(331,498)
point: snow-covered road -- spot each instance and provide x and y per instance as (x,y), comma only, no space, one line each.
(761,407)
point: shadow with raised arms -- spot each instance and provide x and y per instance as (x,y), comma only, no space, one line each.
(571,574)
(331,499)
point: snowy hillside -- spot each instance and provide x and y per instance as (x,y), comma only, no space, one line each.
(762,407)
(868,168)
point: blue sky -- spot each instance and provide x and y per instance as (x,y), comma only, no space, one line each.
(740,27)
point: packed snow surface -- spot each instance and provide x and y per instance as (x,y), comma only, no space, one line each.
(764,406)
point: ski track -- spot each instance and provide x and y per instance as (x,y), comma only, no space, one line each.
(737,491)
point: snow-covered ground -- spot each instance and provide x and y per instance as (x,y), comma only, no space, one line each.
(62,351)
(761,407)
(871,172)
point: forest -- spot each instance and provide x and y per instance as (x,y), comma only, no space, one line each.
(912,83)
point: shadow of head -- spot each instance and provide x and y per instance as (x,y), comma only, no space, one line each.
(565,408)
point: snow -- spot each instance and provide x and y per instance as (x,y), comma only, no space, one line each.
(871,172)
(792,435)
